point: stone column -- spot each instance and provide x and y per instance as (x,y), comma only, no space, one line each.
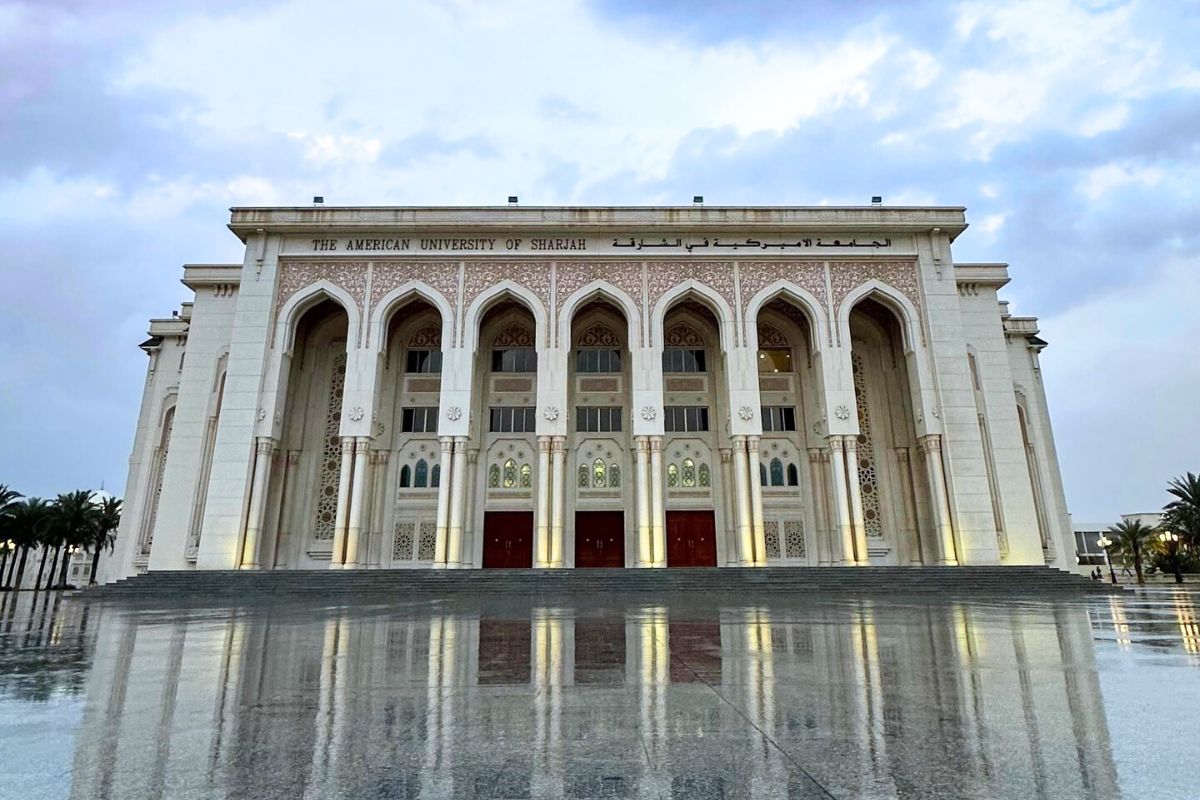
(374,555)
(458,499)
(342,517)
(820,518)
(931,446)
(285,518)
(745,516)
(841,500)
(358,501)
(658,533)
(263,450)
(541,548)
(856,507)
(558,458)
(443,503)
(729,518)
(909,506)
(642,498)
(756,502)
(469,507)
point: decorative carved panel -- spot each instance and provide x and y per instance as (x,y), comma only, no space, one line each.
(846,276)
(479,276)
(664,275)
(515,335)
(868,476)
(681,335)
(297,275)
(770,336)
(427,337)
(685,384)
(599,384)
(571,275)
(442,276)
(599,335)
(331,454)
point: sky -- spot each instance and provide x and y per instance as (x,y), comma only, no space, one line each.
(1070,129)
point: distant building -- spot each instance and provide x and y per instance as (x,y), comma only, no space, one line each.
(1088,553)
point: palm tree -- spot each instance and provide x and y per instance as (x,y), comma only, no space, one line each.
(74,522)
(105,533)
(1182,515)
(8,499)
(26,523)
(1133,537)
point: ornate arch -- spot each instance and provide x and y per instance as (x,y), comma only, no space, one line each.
(810,306)
(504,289)
(704,294)
(382,311)
(294,308)
(895,300)
(606,290)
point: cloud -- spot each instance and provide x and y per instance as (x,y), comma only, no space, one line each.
(1069,129)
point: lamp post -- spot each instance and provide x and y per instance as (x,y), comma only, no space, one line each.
(1106,543)
(1170,541)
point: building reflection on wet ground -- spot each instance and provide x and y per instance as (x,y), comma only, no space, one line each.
(690,697)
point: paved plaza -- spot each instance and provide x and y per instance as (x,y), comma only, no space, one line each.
(683,697)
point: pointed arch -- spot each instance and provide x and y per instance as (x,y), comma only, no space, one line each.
(497,292)
(296,306)
(705,295)
(806,301)
(600,289)
(381,314)
(892,299)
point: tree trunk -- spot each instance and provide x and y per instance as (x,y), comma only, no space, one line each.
(53,567)
(21,567)
(37,585)
(12,570)
(1137,565)
(3,564)
(95,563)
(62,575)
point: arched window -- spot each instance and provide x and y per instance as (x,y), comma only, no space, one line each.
(510,474)
(614,475)
(705,477)
(672,475)
(435,476)
(405,477)
(421,475)
(776,472)
(762,473)
(689,472)
(494,477)
(585,477)
(793,475)
(526,476)
(599,474)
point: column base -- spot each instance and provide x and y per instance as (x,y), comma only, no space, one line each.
(250,566)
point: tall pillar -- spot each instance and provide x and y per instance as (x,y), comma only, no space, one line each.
(374,554)
(282,535)
(756,502)
(558,460)
(641,496)
(909,505)
(443,503)
(263,450)
(841,501)
(358,498)
(729,517)
(458,498)
(658,534)
(745,516)
(820,515)
(931,446)
(342,517)
(856,506)
(542,511)
(469,508)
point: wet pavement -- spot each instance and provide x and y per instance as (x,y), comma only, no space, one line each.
(687,697)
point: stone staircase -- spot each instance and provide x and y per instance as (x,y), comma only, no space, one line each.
(225,585)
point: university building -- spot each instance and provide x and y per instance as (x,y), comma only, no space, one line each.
(566,387)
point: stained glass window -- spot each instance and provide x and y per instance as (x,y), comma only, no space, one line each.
(614,475)
(672,475)
(421,475)
(689,472)
(599,474)
(705,478)
(494,477)
(526,476)
(510,474)
(776,472)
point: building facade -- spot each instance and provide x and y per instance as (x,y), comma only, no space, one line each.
(572,387)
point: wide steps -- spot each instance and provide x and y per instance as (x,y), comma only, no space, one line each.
(992,580)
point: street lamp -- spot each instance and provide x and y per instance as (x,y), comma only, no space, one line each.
(1106,543)
(1170,541)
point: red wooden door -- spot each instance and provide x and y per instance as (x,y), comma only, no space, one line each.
(599,539)
(691,539)
(507,539)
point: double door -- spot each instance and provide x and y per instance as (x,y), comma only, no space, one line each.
(507,539)
(691,539)
(599,539)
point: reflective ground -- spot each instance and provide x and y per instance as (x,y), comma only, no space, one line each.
(606,697)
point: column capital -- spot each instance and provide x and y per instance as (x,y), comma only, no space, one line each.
(347,445)
(739,442)
(835,444)
(752,444)
(265,445)
(902,455)
(850,443)
(293,457)
(447,443)
(543,444)
(472,455)
(558,444)
(815,455)
(656,443)
(642,443)
(726,454)
(930,443)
